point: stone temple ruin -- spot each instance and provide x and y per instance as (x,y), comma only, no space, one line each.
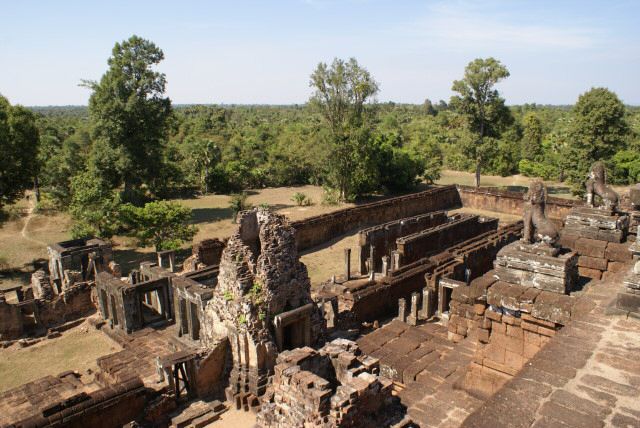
(440,317)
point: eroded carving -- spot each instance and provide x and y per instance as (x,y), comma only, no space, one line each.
(597,186)
(537,227)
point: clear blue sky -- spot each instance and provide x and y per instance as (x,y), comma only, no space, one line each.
(264,51)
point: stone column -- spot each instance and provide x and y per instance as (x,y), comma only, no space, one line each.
(412,319)
(172,260)
(347,263)
(372,264)
(402,310)
(396,260)
(385,266)
(425,312)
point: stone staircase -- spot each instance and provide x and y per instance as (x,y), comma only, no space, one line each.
(198,414)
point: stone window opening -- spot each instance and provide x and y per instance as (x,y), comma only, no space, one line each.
(151,307)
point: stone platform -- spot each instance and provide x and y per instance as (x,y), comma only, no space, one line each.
(628,298)
(427,368)
(537,266)
(597,223)
(585,376)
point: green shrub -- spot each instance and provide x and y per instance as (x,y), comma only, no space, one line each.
(301,199)
(330,197)
(227,296)
(536,169)
(239,203)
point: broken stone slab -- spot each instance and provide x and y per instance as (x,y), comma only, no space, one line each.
(632,280)
(552,307)
(628,301)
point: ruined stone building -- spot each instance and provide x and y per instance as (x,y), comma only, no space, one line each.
(441,316)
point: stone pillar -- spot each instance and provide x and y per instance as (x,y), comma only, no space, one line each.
(412,319)
(372,264)
(402,310)
(425,312)
(385,266)
(172,261)
(347,263)
(159,370)
(396,260)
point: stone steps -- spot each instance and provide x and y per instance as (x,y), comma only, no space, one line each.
(198,414)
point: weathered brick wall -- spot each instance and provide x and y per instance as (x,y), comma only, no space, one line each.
(383,237)
(503,201)
(512,322)
(10,320)
(105,408)
(597,258)
(380,300)
(437,239)
(316,230)
(335,386)
(18,320)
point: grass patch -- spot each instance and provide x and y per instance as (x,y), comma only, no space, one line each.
(77,349)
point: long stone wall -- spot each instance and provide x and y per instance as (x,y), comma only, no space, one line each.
(319,229)
(436,239)
(490,199)
(380,240)
(37,315)
(380,300)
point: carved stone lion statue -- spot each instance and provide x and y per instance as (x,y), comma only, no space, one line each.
(597,186)
(537,227)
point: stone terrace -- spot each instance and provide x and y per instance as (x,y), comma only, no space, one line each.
(588,375)
(428,366)
(138,358)
(19,403)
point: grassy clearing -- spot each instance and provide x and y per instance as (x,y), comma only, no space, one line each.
(516,183)
(212,215)
(77,349)
(20,254)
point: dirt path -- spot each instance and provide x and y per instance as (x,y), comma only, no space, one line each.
(23,232)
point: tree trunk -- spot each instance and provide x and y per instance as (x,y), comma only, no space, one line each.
(36,189)
(478,173)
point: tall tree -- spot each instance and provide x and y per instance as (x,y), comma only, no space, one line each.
(130,116)
(164,224)
(202,155)
(94,206)
(19,139)
(597,131)
(531,137)
(341,92)
(482,105)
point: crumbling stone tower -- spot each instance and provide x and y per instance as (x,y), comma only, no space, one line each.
(262,302)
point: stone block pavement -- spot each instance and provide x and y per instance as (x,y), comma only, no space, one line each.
(588,375)
(429,366)
(22,402)
(138,358)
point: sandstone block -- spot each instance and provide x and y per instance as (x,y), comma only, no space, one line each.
(618,252)
(590,273)
(592,262)
(591,247)
(615,267)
